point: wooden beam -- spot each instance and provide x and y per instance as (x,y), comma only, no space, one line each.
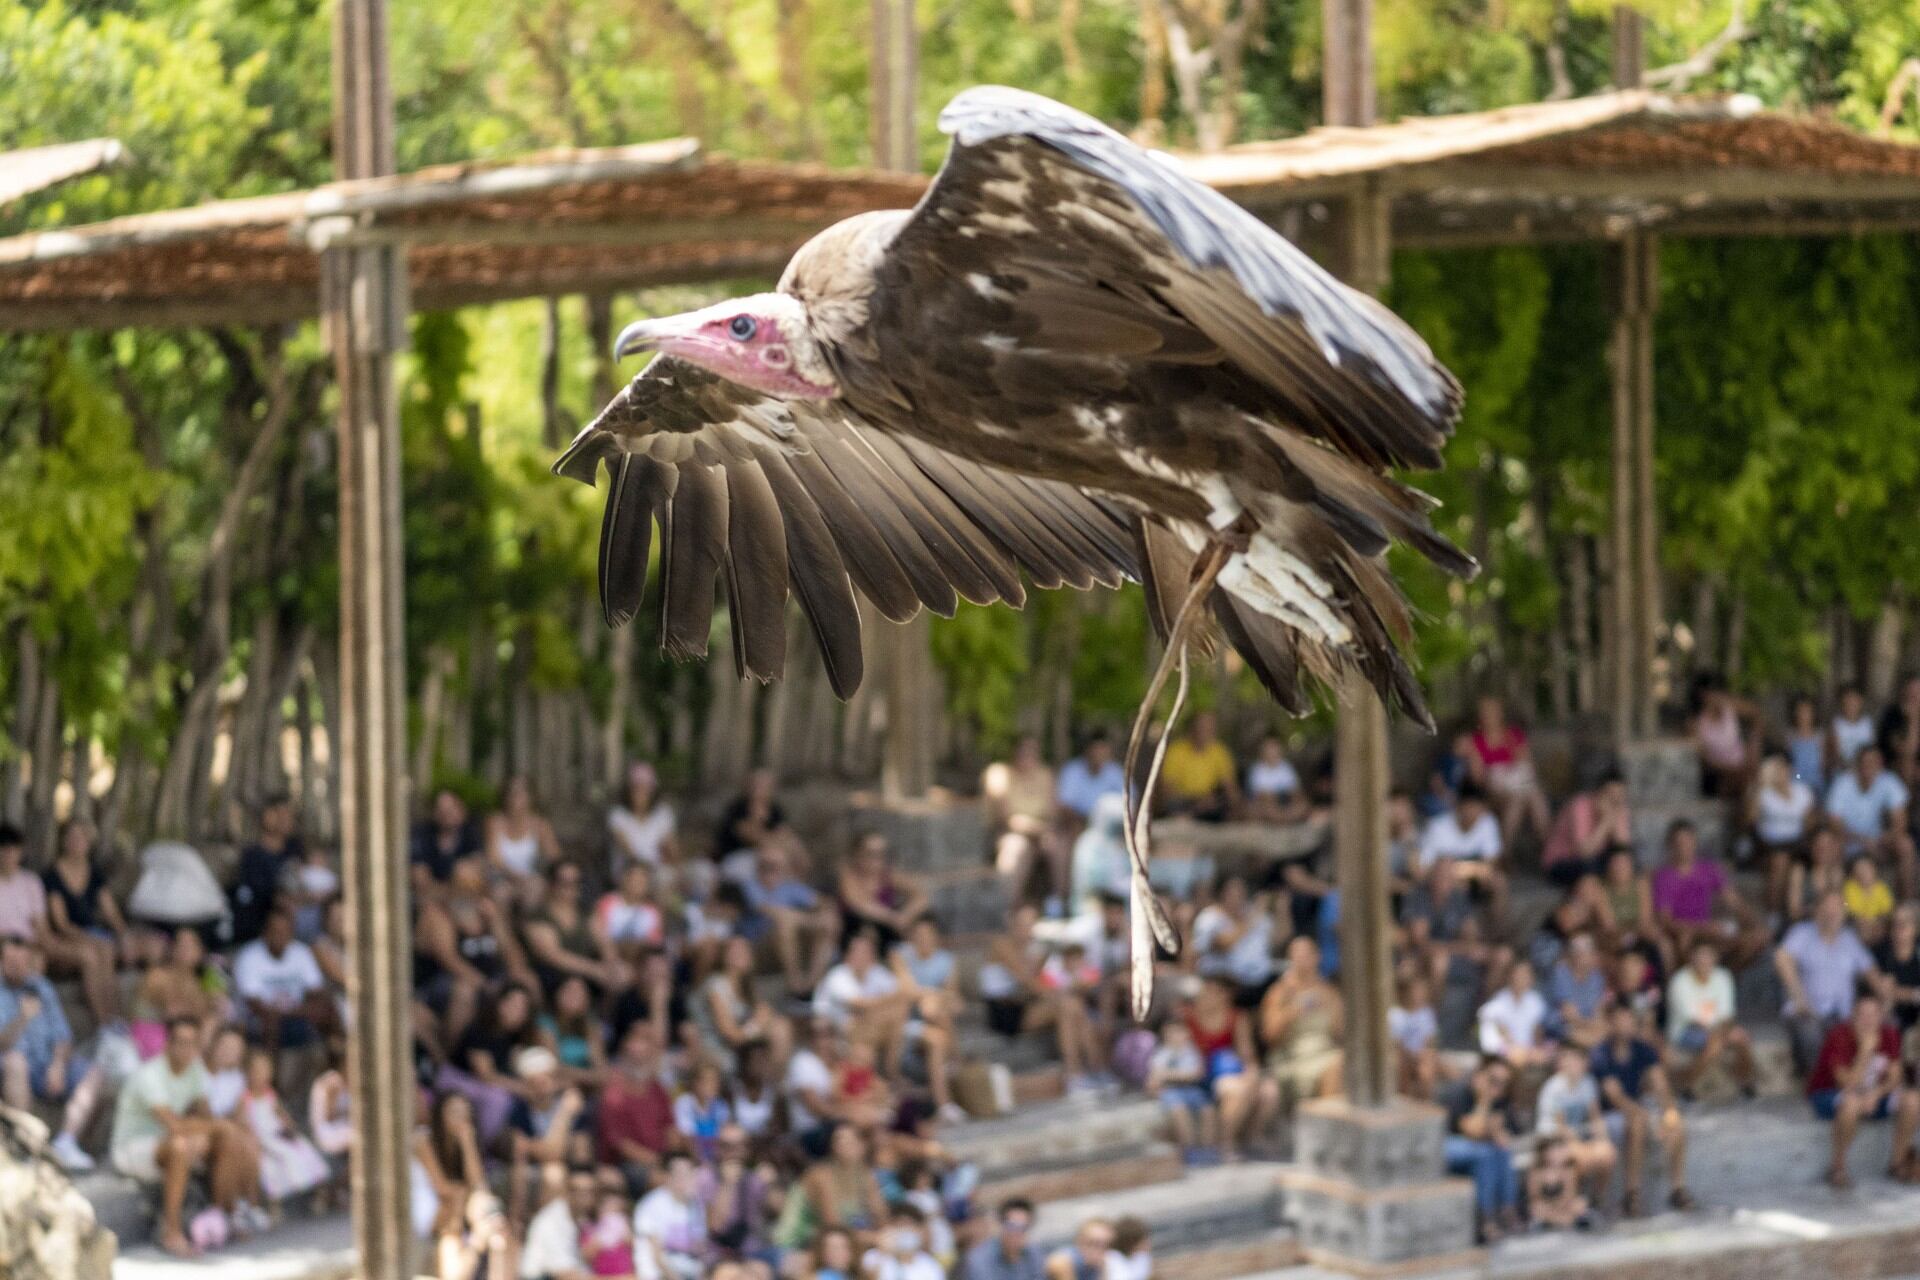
(903,651)
(346,231)
(364,299)
(895,80)
(1362,257)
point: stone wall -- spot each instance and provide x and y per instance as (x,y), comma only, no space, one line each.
(47,1228)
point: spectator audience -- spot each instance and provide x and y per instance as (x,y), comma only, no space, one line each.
(642,826)
(1090,777)
(1019,798)
(1640,1107)
(1850,729)
(1694,898)
(1198,776)
(1700,1019)
(1869,805)
(1273,790)
(1500,761)
(1479,1145)
(1857,1077)
(37,1058)
(1591,825)
(1820,962)
(520,841)
(741,1067)
(164,1134)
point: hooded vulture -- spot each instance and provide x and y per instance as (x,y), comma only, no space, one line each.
(1070,364)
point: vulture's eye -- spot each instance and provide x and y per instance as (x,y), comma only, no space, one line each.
(742,327)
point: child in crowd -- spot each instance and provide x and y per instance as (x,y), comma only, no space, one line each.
(607,1242)
(309,886)
(226,1072)
(1869,900)
(290,1165)
(1415,1029)
(1554,1198)
(1177,1078)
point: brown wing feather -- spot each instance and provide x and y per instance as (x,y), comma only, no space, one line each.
(773,498)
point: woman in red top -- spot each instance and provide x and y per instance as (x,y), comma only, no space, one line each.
(1224,1037)
(1502,763)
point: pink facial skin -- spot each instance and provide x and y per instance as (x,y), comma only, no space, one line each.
(743,346)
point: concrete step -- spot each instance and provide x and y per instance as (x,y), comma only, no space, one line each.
(967,899)
(1205,1208)
(1119,1169)
(1041,1084)
(1264,1254)
(1076,1130)
(978,1043)
(119,1204)
(926,836)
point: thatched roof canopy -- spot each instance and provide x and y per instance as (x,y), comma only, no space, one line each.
(624,217)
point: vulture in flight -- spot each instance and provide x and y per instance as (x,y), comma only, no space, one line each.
(1069,364)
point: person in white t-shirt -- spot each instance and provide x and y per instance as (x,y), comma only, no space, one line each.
(1233,938)
(1511,1022)
(278,978)
(1850,729)
(862,997)
(1700,1012)
(1274,793)
(1870,804)
(670,1225)
(552,1247)
(1468,835)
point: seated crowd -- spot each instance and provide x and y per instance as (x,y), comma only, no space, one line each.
(671,1058)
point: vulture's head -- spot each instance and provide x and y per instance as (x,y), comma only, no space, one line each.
(762,342)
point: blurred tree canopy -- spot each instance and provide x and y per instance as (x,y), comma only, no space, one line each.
(166,575)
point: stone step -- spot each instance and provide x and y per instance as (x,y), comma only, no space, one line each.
(1025,1052)
(925,836)
(1650,823)
(1264,1253)
(1041,1084)
(119,1204)
(968,899)
(1116,1170)
(1203,1209)
(1052,1135)
(1662,771)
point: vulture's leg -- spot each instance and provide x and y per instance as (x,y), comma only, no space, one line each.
(1148,917)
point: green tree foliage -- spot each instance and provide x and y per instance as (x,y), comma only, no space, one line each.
(1787,395)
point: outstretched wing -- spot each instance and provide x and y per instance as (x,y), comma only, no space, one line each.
(1027,177)
(769,497)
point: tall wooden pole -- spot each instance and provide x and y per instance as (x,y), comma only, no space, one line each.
(906,764)
(364,304)
(1363,248)
(1633,284)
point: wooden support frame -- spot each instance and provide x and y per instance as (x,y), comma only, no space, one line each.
(364,305)
(1362,251)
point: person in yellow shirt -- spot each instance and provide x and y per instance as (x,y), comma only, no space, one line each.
(1869,900)
(1197,779)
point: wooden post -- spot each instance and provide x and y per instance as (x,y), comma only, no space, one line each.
(906,759)
(1633,286)
(895,77)
(363,302)
(1363,247)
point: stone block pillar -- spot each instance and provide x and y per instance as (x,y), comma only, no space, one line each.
(1368,1192)
(1663,785)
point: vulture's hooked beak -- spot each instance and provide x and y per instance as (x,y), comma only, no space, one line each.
(641,335)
